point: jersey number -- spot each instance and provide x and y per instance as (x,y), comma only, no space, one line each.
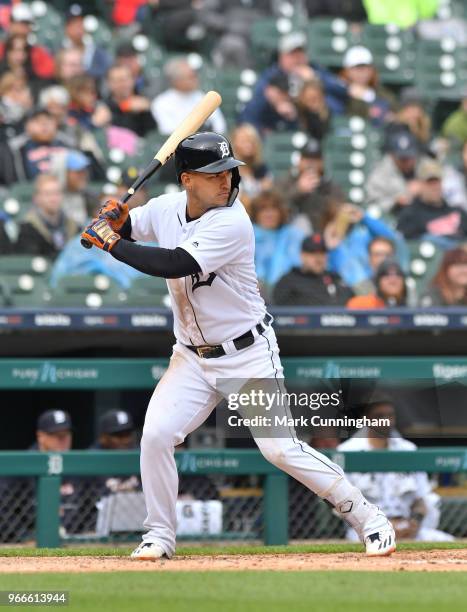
(196,283)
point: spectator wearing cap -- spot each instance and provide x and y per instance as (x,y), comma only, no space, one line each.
(392,184)
(116,431)
(171,106)
(307,188)
(24,156)
(129,110)
(21,23)
(255,174)
(391,289)
(312,111)
(429,214)
(72,170)
(311,284)
(96,60)
(277,242)
(449,285)
(455,126)
(53,433)
(272,106)
(46,227)
(359,70)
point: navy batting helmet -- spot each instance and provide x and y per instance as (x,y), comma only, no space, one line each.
(210,153)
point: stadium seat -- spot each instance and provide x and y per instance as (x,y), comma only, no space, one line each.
(35,265)
(148,291)
(86,283)
(265,35)
(24,290)
(394,52)
(281,150)
(329,39)
(236,89)
(425,259)
(441,69)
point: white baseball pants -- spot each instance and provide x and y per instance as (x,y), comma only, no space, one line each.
(182,401)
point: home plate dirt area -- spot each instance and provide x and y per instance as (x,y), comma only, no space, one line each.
(420,560)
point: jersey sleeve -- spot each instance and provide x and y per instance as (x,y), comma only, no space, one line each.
(222,240)
(144,222)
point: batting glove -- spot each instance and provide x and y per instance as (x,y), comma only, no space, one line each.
(115,213)
(101,235)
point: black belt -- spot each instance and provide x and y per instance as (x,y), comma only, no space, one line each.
(208,351)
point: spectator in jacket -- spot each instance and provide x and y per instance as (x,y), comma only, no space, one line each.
(127,55)
(455,126)
(379,249)
(449,286)
(392,184)
(405,497)
(359,70)
(311,284)
(412,117)
(40,59)
(313,112)
(277,242)
(255,175)
(429,214)
(46,228)
(85,108)
(96,60)
(175,103)
(391,289)
(272,106)
(129,110)
(308,189)
(348,230)
(24,156)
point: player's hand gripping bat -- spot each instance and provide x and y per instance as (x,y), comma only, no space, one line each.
(192,122)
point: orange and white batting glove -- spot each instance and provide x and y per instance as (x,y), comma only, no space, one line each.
(100,234)
(115,213)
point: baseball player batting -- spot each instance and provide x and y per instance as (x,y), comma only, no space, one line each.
(222,331)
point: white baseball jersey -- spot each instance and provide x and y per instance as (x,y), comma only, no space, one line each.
(223,302)
(393,492)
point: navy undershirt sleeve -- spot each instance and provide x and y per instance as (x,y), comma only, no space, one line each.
(156,261)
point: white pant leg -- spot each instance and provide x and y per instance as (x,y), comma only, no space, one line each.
(287,452)
(181,402)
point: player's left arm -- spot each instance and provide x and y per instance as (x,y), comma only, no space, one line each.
(155,261)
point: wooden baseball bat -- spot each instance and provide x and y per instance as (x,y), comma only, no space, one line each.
(192,122)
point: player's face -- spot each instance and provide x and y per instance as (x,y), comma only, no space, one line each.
(56,442)
(208,190)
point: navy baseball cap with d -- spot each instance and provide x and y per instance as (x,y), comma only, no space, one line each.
(52,421)
(115,421)
(403,145)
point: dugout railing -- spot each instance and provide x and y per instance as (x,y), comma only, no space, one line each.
(50,468)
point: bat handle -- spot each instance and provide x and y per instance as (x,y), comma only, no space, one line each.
(85,243)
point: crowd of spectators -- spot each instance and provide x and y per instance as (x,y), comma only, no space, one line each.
(64,106)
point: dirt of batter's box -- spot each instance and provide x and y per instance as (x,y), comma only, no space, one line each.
(427,561)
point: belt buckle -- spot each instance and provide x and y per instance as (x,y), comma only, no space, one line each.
(203,350)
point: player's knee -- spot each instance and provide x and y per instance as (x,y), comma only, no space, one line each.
(272,452)
(157,437)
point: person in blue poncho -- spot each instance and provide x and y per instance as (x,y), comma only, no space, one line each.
(277,242)
(348,230)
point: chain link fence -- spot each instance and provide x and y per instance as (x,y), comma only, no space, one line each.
(209,507)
